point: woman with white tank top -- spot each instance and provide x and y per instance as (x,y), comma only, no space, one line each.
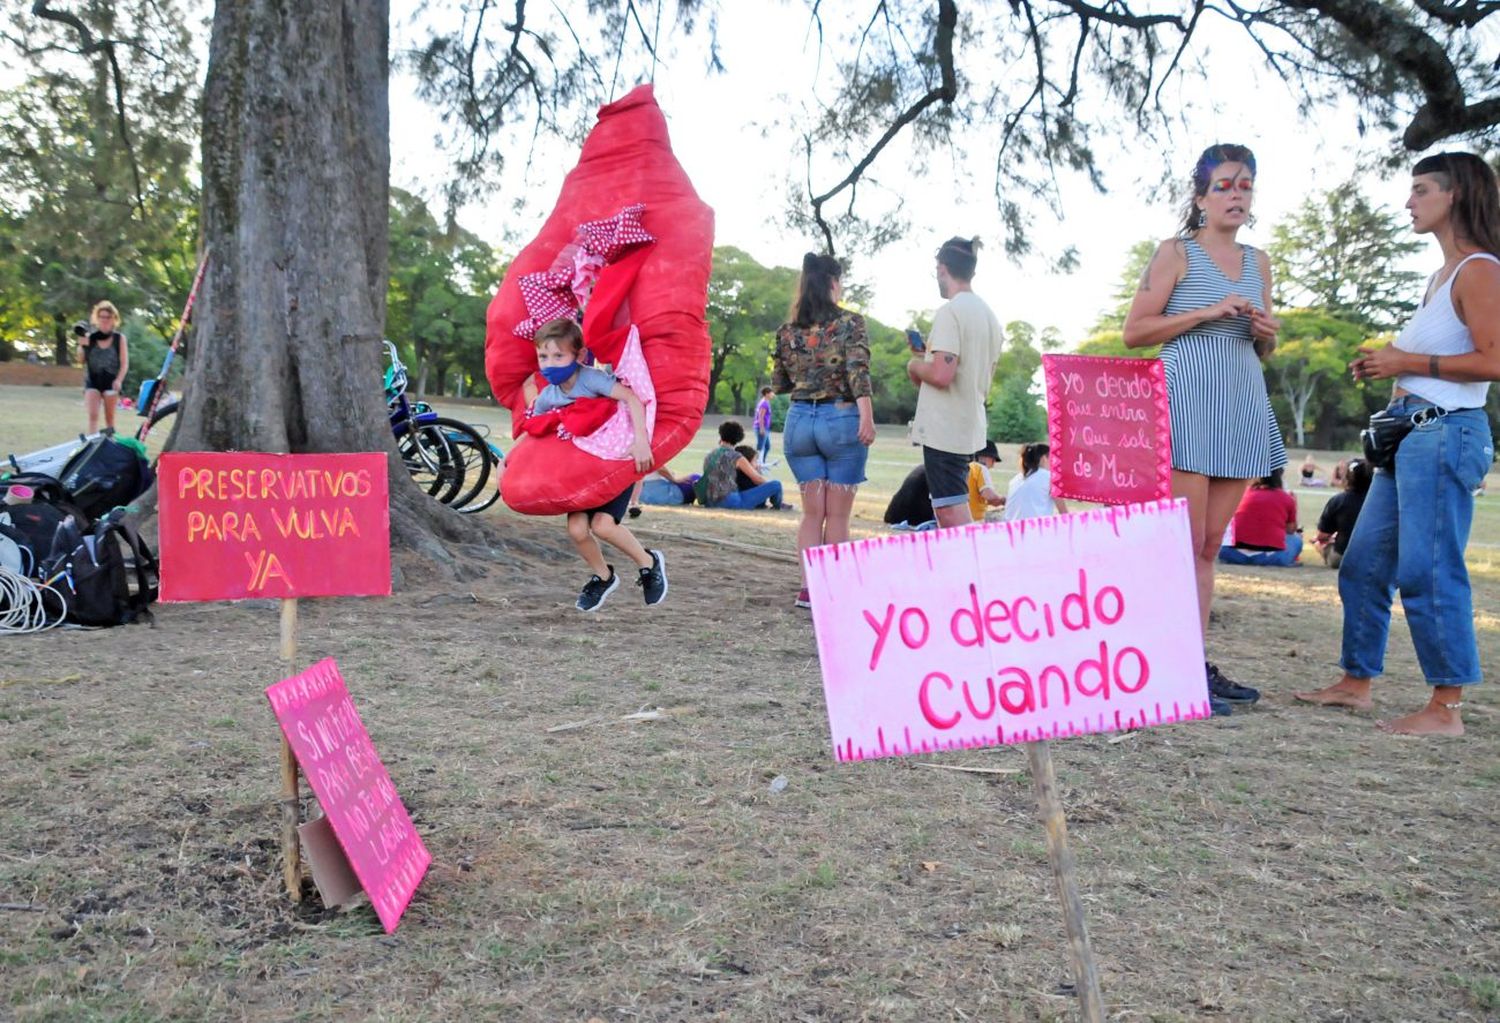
(1414,525)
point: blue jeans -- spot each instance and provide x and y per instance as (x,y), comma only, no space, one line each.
(1410,537)
(763,445)
(821,442)
(660,491)
(754,497)
(1277,559)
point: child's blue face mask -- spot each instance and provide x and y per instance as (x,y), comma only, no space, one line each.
(559,374)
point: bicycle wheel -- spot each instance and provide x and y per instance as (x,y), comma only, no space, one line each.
(154,439)
(431,461)
(472,456)
(492,494)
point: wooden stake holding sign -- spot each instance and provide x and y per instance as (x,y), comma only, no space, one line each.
(1013,632)
(249,525)
(291,794)
(1085,972)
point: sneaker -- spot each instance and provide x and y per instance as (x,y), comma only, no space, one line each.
(804,599)
(653,580)
(1218,708)
(596,589)
(1229,691)
(634,511)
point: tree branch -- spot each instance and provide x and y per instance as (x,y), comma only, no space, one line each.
(945,93)
(1446,110)
(1459,15)
(88,45)
(1123,19)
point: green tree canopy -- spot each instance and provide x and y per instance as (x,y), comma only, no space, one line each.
(441,282)
(1339,252)
(98,198)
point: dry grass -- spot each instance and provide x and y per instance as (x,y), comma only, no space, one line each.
(1283,865)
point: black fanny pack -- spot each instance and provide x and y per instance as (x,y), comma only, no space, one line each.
(1387,429)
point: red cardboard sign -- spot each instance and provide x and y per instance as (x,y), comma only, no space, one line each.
(1109,429)
(246,524)
(369,819)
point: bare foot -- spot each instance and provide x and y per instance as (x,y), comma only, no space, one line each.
(1353,693)
(1433,719)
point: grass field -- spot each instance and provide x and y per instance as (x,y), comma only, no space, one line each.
(1284,864)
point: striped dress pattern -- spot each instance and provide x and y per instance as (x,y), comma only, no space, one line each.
(1222,423)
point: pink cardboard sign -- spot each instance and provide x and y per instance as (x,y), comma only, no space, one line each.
(369,819)
(1109,429)
(238,524)
(1008,632)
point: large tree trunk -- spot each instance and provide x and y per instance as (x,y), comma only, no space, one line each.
(296,164)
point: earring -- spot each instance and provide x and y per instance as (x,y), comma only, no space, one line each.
(1202,217)
(1250,220)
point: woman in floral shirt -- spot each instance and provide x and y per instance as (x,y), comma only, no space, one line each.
(823,361)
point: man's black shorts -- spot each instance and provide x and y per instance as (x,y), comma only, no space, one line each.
(947,477)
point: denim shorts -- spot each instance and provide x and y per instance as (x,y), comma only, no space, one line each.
(821,442)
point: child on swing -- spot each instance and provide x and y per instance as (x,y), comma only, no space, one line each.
(558,345)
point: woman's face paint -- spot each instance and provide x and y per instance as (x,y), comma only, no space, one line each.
(1230,189)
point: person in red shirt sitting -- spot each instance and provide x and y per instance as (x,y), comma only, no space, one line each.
(1265,526)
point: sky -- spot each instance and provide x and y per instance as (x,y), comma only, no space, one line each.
(742,171)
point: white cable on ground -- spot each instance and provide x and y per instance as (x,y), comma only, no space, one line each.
(24,602)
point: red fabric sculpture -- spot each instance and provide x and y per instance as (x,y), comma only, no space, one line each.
(627,189)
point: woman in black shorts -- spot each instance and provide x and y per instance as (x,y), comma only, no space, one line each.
(105,362)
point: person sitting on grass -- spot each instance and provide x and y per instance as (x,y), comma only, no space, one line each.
(558,345)
(665,487)
(746,482)
(1265,527)
(982,493)
(1336,524)
(1312,473)
(717,487)
(1029,495)
(910,509)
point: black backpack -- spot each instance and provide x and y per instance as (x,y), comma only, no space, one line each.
(92,576)
(33,528)
(43,487)
(105,474)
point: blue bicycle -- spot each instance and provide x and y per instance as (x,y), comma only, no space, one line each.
(449,459)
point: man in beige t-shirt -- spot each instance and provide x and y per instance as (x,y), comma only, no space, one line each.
(953,377)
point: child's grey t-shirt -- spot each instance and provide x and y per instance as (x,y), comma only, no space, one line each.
(589,383)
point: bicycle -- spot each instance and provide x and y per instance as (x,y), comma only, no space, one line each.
(449,459)
(442,454)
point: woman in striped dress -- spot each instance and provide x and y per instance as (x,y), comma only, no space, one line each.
(1206,299)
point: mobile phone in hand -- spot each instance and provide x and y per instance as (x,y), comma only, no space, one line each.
(914,338)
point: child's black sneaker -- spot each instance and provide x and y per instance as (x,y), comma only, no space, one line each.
(653,580)
(1222,688)
(596,589)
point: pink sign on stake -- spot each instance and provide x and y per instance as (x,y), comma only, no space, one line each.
(368,818)
(1009,631)
(1109,429)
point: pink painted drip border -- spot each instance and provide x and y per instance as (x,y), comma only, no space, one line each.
(1015,532)
(1052,365)
(848,751)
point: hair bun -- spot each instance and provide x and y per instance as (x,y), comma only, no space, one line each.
(810,262)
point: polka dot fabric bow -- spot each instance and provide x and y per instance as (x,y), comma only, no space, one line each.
(611,238)
(555,293)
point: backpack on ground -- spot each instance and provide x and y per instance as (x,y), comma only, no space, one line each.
(93,573)
(106,473)
(43,487)
(33,529)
